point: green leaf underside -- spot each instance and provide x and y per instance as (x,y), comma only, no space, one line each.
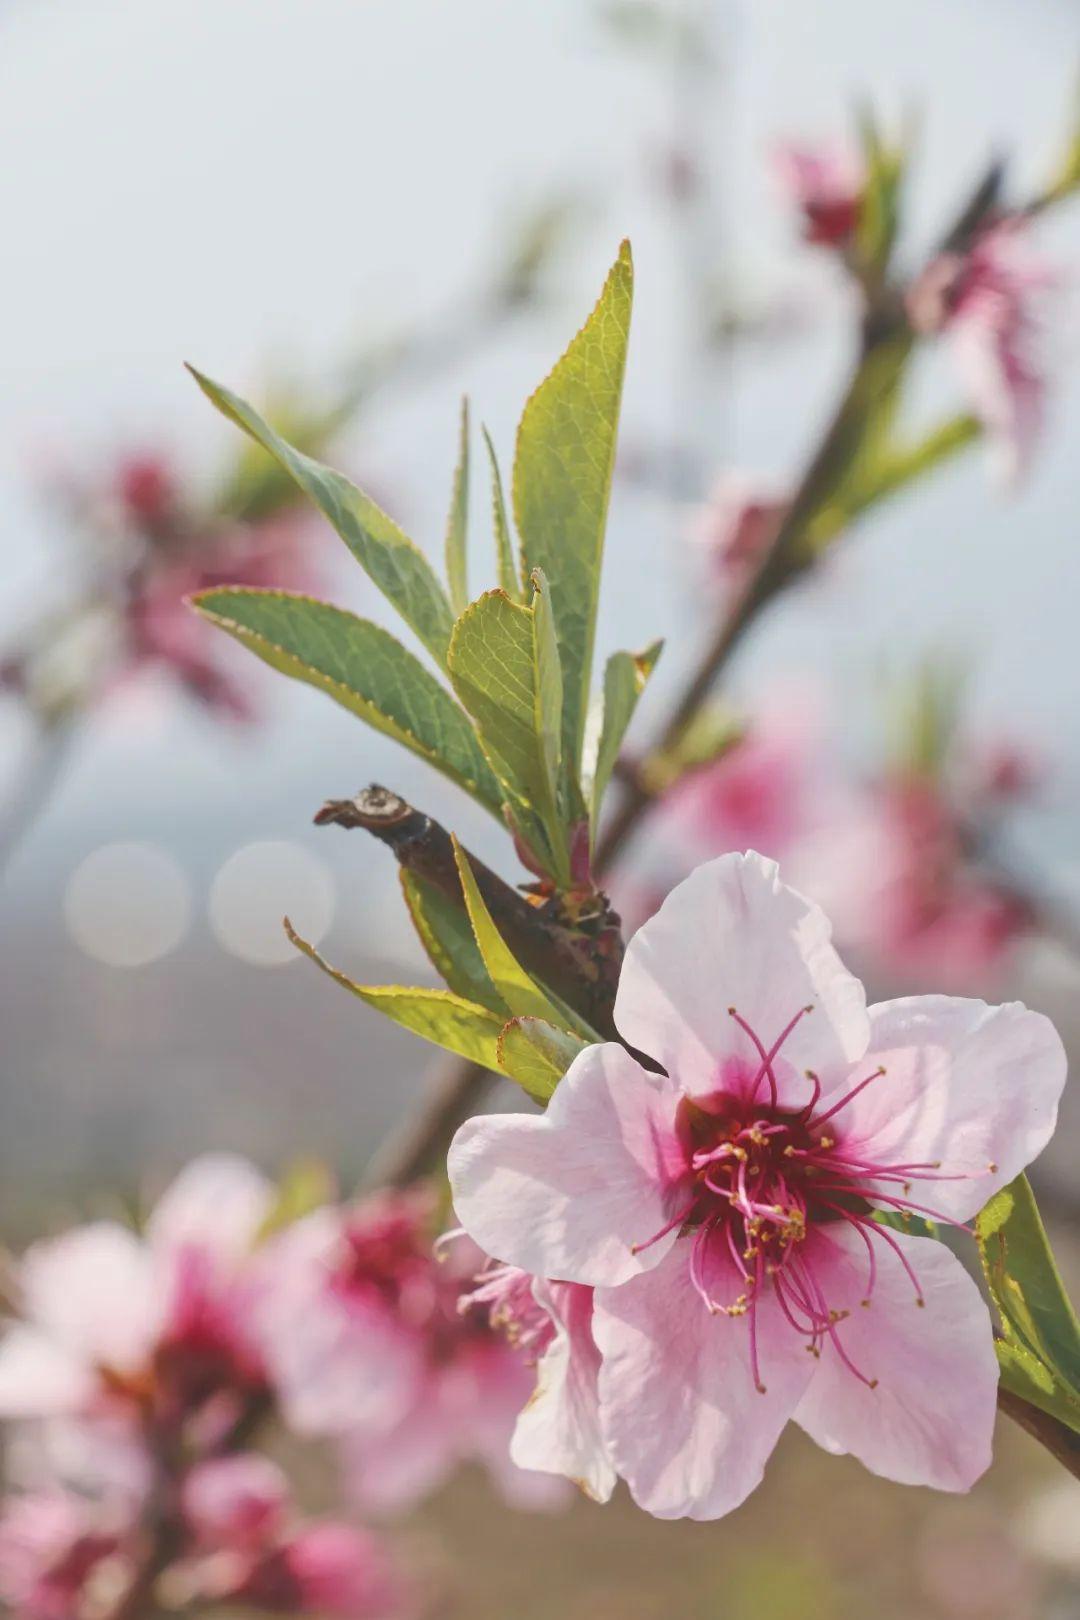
(363,668)
(395,564)
(518,992)
(563,467)
(536,1054)
(457,525)
(493,671)
(504,545)
(1039,1354)
(446,1020)
(625,676)
(447,938)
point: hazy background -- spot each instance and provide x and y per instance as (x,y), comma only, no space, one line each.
(247,183)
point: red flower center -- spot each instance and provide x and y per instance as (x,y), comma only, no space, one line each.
(759,1176)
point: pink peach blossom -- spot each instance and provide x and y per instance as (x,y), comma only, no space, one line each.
(247,1547)
(735,526)
(991,303)
(558,1431)
(767,792)
(825,184)
(373,1337)
(111,1321)
(53,1546)
(724,1209)
(326,1568)
(163,630)
(237,1501)
(344,1322)
(904,890)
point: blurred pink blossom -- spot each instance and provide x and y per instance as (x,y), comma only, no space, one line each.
(992,304)
(904,889)
(54,1547)
(735,527)
(114,1324)
(238,1501)
(825,184)
(766,792)
(324,1568)
(146,546)
(249,1548)
(162,628)
(375,1338)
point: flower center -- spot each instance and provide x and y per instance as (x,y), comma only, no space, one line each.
(759,1176)
(504,1297)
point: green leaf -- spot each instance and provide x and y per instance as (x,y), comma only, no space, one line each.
(562,483)
(457,526)
(891,468)
(439,1016)
(493,669)
(363,668)
(884,166)
(447,937)
(519,993)
(395,564)
(504,545)
(1039,1353)
(624,681)
(537,1054)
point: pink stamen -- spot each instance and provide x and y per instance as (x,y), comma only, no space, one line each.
(676,1220)
(767,1057)
(854,1092)
(876,1228)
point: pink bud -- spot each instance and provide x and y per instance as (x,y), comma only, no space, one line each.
(236,1502)
(147,487)
(826,185)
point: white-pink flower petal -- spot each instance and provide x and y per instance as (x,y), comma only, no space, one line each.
(683,1419)
(92,1291)
(558,1431)
(732,935)
(930,1420)
(218,1203)
(40,1378)
(569,1193)
(972,1086)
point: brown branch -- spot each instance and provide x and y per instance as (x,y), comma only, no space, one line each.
(579,960)
(1058,1439)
